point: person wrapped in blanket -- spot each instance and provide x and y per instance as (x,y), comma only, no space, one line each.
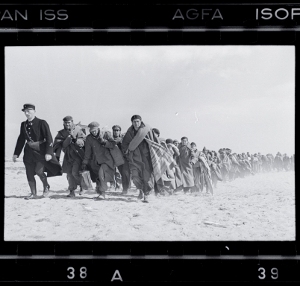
(148,160)
(101,147)
(176,183)
(178,174)
(201,169)
(214,163)
(168,177)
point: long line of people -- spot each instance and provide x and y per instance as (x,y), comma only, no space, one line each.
(139,157)
(188,170)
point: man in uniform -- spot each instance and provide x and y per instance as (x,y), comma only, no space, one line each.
(97,147)
(123,169)
(71,141)
(38,152)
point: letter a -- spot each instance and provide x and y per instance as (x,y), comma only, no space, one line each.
(217,16)
(117,276)
(176,16)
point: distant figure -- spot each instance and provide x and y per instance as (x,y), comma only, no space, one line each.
(196,168)
(286,162)
(176,169)
(293,162)
(38,152)
(185,159)
(278,162)
(123,169)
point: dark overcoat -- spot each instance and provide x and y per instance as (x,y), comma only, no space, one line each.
(38,130)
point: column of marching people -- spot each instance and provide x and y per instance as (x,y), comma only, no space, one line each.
(139,157)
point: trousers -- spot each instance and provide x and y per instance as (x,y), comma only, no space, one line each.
(73,176)
(32,169)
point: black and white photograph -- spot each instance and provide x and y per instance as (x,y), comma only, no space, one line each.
(150,143)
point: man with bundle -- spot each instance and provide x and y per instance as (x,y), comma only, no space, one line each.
(98,147)
(70,140)
(38,152)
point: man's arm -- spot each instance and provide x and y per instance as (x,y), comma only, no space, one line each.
(48,137)
(20,143)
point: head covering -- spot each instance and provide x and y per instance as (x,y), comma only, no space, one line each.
(94,125)
(68,118)
(184,138)
(155,130)
(27,106)
(136,117)
(116,127)
(170,141)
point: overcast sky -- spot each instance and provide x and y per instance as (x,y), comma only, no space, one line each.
(240,97)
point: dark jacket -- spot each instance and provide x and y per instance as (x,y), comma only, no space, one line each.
(39,131)
(69,144)
(98,148)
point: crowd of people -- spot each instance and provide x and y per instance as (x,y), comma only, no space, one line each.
(139,156)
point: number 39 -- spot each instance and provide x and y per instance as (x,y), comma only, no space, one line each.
(262,272)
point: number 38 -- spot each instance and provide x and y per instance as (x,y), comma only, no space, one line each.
(262,273)
(83,273)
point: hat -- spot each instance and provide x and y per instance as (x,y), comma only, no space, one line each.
(27,106)
(184,138)
(136,117)
(155,130)
(68,118)
(170,141)
(93,125)
(116,127)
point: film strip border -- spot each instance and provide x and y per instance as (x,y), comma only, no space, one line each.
(163,269)
(150,261)
(149,25)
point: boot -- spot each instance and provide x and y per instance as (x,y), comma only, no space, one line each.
(100,197)
(46,191)
(141,195)
(72,194)
(81,191)
(46,187)
(33,195)
(124,192)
